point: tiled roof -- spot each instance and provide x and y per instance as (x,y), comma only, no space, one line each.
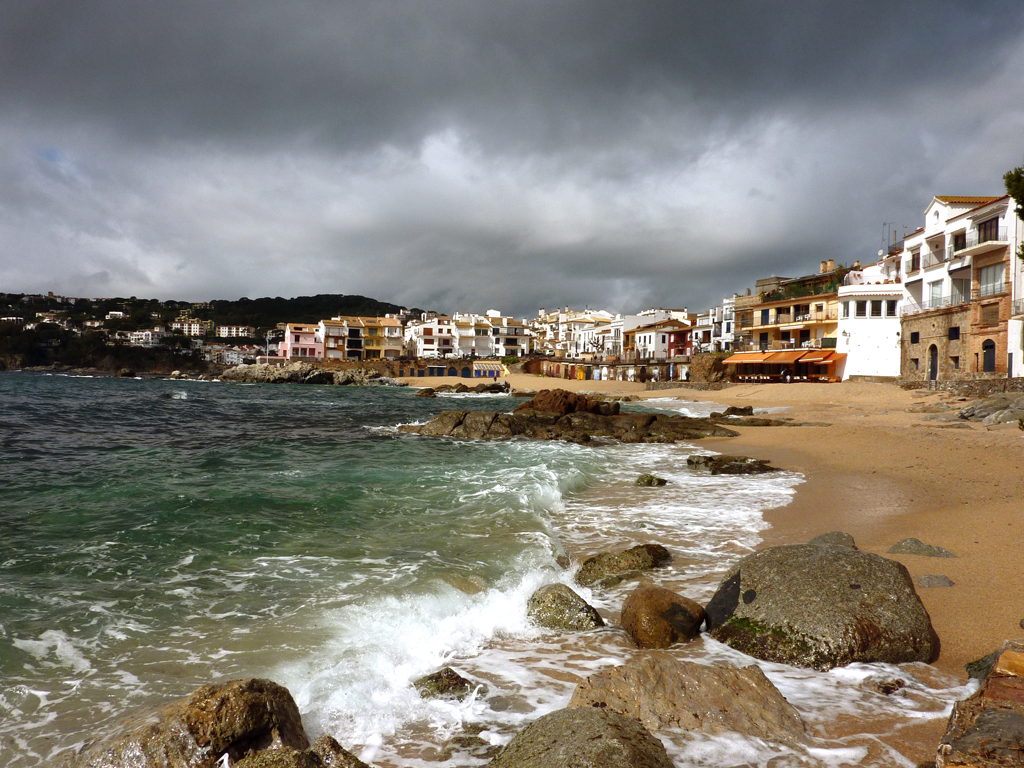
(964,200)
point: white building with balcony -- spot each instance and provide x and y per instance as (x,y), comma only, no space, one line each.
(870,301)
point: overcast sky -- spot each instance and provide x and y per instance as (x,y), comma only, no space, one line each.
(466,155)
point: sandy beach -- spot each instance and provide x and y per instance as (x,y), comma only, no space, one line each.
(882,472)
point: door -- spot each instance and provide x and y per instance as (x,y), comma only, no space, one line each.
(988,355)
(933,363)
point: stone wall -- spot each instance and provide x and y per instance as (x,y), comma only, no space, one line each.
(933,329)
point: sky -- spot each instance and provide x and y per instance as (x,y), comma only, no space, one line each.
(464,155)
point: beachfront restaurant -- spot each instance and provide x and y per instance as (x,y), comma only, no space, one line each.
(787,365)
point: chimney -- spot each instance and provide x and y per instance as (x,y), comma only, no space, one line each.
(822,268)
(748,291)
(831,265)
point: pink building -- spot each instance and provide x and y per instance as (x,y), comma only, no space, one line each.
(300,343)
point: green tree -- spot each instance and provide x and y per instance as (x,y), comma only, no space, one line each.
(1014,181)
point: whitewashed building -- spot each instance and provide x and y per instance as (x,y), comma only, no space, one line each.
(870,304)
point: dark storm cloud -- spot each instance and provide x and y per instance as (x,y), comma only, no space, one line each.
(474,154)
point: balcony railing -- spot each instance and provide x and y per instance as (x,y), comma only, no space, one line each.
(978,237)
(932,258)
(989,289)
(911,307)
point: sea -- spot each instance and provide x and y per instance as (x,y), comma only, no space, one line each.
(157,535)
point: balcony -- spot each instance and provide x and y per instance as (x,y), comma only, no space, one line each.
(911,307)
(1018,307)
(934,258)
(979,241)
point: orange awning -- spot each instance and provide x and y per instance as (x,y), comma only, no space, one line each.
(820,357)
(788,356)
(747,357)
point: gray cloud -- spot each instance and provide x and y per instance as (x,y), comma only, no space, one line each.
(467,155)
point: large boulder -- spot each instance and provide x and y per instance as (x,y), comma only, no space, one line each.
(555,606)
(655,617)
(231,718)
(563,402)
(987,728)
(663,692)
(822,607)
(583,737)
(610,568)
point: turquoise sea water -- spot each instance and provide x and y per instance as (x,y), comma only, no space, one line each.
(158,535)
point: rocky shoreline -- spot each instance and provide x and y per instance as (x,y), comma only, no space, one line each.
(816,605)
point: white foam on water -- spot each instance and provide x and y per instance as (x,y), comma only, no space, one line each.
(55,647)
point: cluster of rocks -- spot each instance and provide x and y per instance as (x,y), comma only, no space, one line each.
(561,415)
(483,388)
(987,728)
(306,373)
(996,409)
(816,605)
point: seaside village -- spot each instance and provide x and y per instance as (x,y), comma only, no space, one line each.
(944,302)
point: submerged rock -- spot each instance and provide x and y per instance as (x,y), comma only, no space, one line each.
(558,607)
(610,568)
(655,617)
(987,728)
(650,481)
(583,737)
(730,465)
(663,692)
(231,718)
(446,683)
(821,607)
(916,547)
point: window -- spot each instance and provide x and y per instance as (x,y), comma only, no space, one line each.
(876,307)
(955,362)
(862,309)
(915,260)
(990,279)
(916,363)
(961,291)
(764,317)
(890,308)
(959,241)
(728,327)
(915,337)
(846,309)
(990,314)
(819,308)
(954,333)
(988,230)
